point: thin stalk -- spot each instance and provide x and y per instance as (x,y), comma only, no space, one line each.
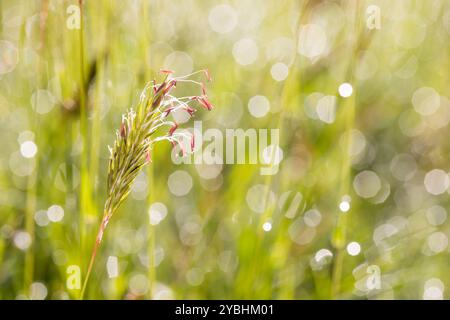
(340,231)
(151,273)
(30,206)
(279,124)
(103,49)
(94,151)
(106,216)
(268,181)
(84,185)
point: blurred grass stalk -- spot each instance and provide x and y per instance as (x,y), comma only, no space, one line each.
(85,181)
(151,274)
(151,230)
(339,236)
(256,264)
(31,196)
(91,135)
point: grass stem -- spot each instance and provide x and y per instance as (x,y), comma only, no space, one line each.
(98,240)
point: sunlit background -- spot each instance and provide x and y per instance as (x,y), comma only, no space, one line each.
(360,91)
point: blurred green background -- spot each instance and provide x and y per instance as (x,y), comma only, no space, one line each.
(358,208)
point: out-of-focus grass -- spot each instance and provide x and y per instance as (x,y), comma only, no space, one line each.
(211,243)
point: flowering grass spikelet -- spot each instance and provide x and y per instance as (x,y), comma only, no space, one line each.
(139,130)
